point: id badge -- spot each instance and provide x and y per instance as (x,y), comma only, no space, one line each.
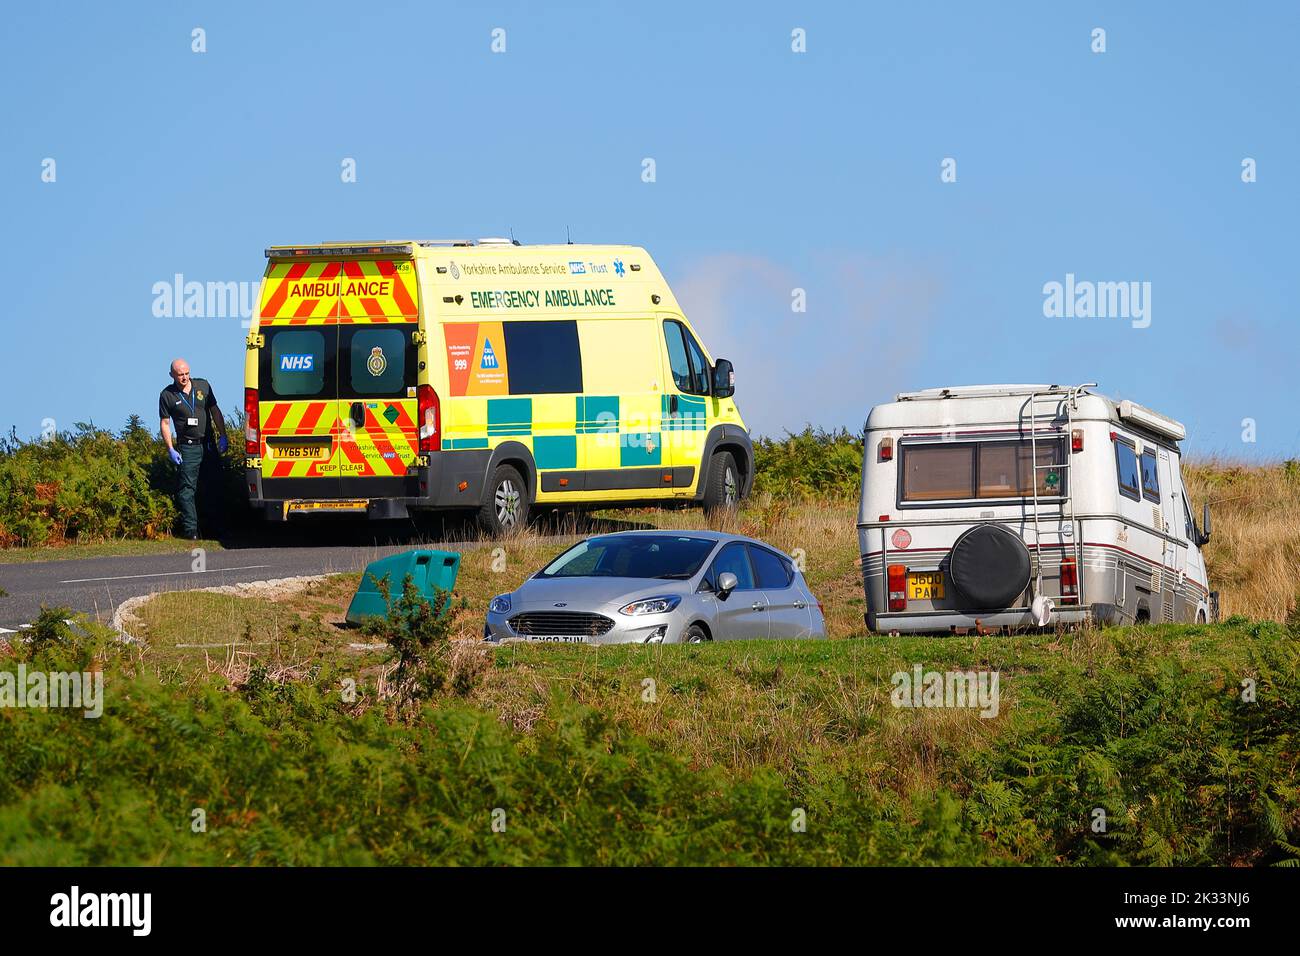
(192,422)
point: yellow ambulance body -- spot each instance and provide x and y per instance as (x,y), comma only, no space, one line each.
(484,375)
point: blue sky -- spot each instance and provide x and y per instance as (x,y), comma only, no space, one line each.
(774,171)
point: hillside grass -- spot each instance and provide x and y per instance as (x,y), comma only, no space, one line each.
(732,753)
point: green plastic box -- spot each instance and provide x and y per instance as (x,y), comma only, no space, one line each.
(432,571)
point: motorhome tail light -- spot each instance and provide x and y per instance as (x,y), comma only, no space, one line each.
(1076,440)
(428,414)
(1069,580)
(897,587)
(886,449)
(252,424)
(884,517)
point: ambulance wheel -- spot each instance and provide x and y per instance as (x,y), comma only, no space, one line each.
(506,507)
(722,487)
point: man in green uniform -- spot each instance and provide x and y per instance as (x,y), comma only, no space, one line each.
(185,409)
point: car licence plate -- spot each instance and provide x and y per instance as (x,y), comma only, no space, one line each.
(558,638)
(925,586)
(299,452)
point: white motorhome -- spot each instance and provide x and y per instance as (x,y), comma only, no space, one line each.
(1009,507)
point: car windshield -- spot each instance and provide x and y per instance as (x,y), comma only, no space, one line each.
(632,556)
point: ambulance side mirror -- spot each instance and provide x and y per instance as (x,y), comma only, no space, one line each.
(724,379)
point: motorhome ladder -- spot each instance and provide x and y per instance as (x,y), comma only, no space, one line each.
(1057,398)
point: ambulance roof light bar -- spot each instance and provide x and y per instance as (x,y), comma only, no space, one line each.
(1153,421)
(359,249)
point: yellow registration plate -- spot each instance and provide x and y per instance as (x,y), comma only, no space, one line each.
(925,586)
(299,452)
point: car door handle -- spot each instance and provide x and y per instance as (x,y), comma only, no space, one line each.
(756,606)
(800,605)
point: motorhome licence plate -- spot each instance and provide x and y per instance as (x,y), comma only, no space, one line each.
(925,586)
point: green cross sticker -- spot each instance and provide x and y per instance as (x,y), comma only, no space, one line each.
(1053,479)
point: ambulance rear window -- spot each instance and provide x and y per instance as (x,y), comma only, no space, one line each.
(297,362)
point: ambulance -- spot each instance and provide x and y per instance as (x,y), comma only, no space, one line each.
(991,508)
(483,375)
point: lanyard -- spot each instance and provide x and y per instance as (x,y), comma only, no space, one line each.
(187,401)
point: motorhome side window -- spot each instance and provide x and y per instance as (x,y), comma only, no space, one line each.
(1150,477)
(1187,519)
(1126,467)
(993,469)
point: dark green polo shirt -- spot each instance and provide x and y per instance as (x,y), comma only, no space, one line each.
(180,408)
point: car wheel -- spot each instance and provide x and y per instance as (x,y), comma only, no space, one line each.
(722,491)
(505,508)
(695,635)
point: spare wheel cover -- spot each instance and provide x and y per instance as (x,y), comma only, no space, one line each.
(989,566)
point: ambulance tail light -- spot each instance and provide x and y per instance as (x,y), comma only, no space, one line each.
(252,424)
(429,413)
(1069,581)
(897,587)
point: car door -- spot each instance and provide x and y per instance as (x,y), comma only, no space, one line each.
(742,614)
(787,608)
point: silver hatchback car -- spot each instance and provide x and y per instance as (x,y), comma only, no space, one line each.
(672,587)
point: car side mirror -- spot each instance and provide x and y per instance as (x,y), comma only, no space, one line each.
(726,584)
(724,379)
(1204,537)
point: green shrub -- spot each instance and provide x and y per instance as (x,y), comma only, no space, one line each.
(812,463)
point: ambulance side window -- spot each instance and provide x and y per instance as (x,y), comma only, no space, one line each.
(699,365)
(677,360)
(543,358)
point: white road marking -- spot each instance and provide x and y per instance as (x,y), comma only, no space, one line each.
(165,574)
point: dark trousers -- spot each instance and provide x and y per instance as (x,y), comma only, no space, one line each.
(198,460)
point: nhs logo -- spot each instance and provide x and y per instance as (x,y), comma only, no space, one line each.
(296,363)
(577,268)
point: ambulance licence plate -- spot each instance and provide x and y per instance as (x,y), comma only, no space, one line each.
(925,586)
(311,452)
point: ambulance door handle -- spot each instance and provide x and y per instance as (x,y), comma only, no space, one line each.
(358,414)
(672,404)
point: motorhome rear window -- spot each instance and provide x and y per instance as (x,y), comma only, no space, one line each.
(992,469)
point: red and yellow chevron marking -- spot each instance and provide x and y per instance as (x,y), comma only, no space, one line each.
(390,447)
(378,290)
(325,293)
(300,419)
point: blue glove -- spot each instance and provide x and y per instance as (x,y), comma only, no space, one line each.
(174,455)
(222,444)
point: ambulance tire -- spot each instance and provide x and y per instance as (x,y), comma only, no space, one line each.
(505,507)
(722,486)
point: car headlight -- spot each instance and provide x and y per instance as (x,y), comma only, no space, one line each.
(499,604)
(654,605)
